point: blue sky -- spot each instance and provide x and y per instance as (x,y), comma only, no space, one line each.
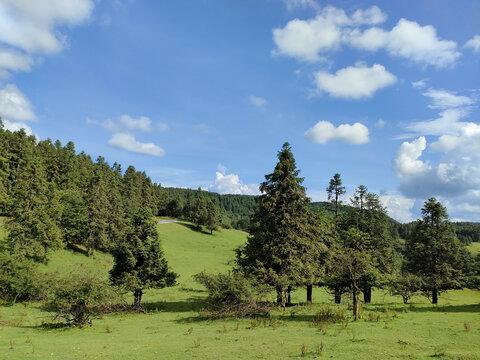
(204,93)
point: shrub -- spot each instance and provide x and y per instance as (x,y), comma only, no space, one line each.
(232,294)
(82,296)
(19,278)
(329,314)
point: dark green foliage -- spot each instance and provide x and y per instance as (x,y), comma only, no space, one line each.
(233,210)
(467,232)
(74,219)
(35,212)
(433,252)
(211,221)
(19,278)
(334,191)
(139,262)
(281,232)
(196,209)
(83,295)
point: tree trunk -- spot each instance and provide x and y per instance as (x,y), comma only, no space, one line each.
(137,297)
(434,296)
(309,294)
(279,295)
(356,307)
(289,295)
(367,294)
(405,299)
(338,296)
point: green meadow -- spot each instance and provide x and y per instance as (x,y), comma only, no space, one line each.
(174,327)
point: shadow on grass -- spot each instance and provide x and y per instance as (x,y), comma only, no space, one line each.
(468,308)
(192,227)
(191,304)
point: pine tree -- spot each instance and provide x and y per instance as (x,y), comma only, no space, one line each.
(36,212)
(98,209)
(334,191)
(139,262)
(433,252)
(212,216)
(280,233)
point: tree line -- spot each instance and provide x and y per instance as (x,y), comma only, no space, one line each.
(55,197)
(293,245)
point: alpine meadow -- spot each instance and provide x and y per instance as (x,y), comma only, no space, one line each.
(346,225)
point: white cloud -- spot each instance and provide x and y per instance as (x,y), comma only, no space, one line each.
(11,60)
(442,99)
(129,143)
(325,131)
(420,44)
(231,184)
(126,123)
(30,25)
(398,207)
(355,82)
(293,4)
(454,108)
(14,105)
(309,40)
(222,169)
(406,163)
(420,84)
(371,16)
(473,43)
(455,174)
(257,101)
(17,125)
(380,123)
(141,124)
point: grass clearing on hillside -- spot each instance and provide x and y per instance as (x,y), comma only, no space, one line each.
(173,327)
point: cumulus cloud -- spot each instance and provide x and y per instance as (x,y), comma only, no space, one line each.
(128,142)
(127,123)
(29,28)
(306,39)
(407,164)
(14,105)
(309,40)
(11,60)
(456,173)
(473,43)
(355,82)
(398,207)
(325,131)
(16,126)
(408,40)
(231,184)
(257,101)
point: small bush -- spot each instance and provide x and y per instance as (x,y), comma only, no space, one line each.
(19,279)
(329,314)
(232,295)
(80,297)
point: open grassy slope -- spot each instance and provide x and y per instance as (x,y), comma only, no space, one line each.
(173,328)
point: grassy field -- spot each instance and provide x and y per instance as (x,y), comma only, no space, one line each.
(174,328)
